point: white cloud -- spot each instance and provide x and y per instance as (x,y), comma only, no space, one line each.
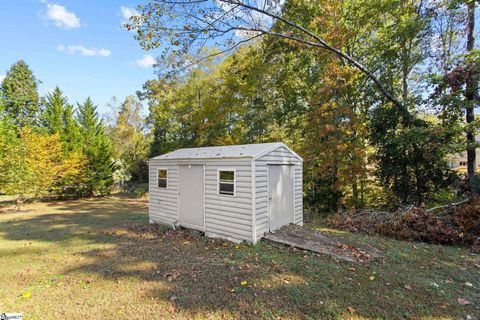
(146,62)
(2,76)
(127,12)
(87,52)
(61,17)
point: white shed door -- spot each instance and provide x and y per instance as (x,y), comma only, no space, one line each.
(280,195)
(190,196)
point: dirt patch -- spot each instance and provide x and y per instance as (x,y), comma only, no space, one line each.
(311,240)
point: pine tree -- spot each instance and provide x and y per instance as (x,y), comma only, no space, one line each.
(19,95)
(88,120)
(53,111)
(70,131)
(97,148)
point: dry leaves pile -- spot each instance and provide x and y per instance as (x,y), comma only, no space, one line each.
(450,225)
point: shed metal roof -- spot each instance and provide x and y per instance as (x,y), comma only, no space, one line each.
(233,151)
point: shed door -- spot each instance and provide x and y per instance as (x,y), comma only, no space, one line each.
(280,195)
(190,196)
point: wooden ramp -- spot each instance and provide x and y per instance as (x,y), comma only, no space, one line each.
(311,240)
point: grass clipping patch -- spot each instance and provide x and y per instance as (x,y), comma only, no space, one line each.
(450,225)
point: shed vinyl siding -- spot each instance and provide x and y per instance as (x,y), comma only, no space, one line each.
(278,156)
(242,216)
(225,215)
(298,202)
(163,202)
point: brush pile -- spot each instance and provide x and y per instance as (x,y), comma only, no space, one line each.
(456,224)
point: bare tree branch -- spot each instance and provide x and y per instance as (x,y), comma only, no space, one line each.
(204,21)
(323,44)
(218,53)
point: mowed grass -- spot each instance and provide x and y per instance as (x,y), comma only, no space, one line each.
(99,259)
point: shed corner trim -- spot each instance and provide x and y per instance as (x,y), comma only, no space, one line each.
(254,201)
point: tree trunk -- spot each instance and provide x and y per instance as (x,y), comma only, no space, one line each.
(335,180)
(470,96)
(355,192)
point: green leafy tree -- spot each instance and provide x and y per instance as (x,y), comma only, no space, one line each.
(97,148)
(411,157)
(456,78)
(348,109)
(129,139)
(19,95)
(9,157)
(161,119)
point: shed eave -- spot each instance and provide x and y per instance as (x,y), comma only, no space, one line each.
(195,159)
(280,144)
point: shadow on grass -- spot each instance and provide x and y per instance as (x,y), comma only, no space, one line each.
(205,276)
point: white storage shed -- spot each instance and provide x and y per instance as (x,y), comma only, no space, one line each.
(237,192)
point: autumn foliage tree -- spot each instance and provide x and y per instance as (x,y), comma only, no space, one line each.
(34,166)
(353,110)
(43,150)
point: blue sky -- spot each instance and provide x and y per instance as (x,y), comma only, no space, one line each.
(78,45)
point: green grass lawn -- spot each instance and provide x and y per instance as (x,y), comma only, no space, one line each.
(99,259)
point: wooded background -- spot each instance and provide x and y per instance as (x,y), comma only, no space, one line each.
(374,95)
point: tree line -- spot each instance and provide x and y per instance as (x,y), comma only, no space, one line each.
(49,147)
(375,95)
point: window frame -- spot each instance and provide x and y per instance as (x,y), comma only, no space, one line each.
(166,178)
(234,170)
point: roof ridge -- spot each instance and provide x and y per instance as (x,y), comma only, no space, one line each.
(249,150)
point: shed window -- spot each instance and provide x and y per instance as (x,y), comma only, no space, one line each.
(463,163)
(226,182)
(162,178)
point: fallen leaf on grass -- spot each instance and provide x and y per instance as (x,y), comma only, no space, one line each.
(170,276)
(463,301)
(244,283)
(350,309)
(407,287)
(468,284)
(26,294)
(371,278)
